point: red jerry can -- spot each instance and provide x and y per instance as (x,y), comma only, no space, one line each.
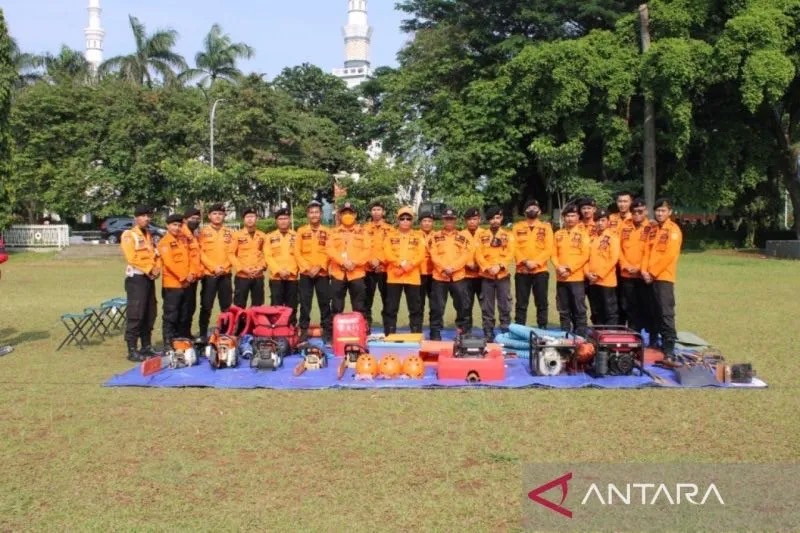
(348,328)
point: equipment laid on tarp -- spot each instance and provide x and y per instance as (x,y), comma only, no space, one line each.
(313,359)
(266,354)
(181,354)
(618,350)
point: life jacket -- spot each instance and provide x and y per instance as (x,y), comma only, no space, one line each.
(233,322)
(272,321)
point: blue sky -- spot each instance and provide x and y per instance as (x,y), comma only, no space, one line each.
(284,33)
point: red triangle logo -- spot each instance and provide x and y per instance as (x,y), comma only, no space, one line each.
(562,482)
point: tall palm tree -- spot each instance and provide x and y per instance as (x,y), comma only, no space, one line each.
(28,66)
(218,58)
(68,65)
(153,57)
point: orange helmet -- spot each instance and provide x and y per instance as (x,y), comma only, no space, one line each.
(414,367)
(390,366)
(366,365)
(584,352)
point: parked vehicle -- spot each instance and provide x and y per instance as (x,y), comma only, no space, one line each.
(112,228)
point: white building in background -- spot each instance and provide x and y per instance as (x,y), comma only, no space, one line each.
(94,36)
(357,35)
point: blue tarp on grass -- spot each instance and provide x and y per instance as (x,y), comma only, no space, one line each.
(243,377)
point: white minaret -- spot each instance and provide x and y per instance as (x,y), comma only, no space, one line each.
(357,34)
(94,35)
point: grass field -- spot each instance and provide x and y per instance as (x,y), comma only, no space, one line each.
(78,456)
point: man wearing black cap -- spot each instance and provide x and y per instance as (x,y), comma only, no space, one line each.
(450,250)
(282,263)
(178,274)
(190,231)
(494,255)
(377,229)
(144,267)
(349,251)
(426,268)
(312,262)
(570,258)
(215,243)
(474,283)
(247,258)
(533,252)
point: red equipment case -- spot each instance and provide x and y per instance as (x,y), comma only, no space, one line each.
(348,328)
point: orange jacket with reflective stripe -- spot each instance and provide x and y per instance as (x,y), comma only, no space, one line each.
(534,242)
(632,242)
(662,262)
(215,249)
(603,258)
(449,250)
(473,270)
(571,251)
(495,249)
(404,247)
(194,251)
(377,234)
(247,251)
(426,268)
(280,252)
(351,244)
(175,259)
(310,249)
(139,250)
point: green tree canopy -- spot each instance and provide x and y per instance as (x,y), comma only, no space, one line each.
(218,58)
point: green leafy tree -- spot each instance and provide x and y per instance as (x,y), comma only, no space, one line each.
(27,66)
(325,95)
(218,58)
(67,66)
(153,58)
(8,76)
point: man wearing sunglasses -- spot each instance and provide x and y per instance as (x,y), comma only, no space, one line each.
(494,256)
(404,250)
(637,300)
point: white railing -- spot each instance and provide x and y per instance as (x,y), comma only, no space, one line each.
(42,236)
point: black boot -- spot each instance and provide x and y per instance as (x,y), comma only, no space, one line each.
(669,350)
(303,335)
(436,335)
(148,351)
(134,355)
(488,334)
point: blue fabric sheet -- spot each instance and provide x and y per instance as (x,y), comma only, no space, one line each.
(243,377)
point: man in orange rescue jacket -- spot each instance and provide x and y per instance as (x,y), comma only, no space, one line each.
(495,255)
(348,250)
(377,229)
(191,223)
(312,262)
(282,263)
(601,272)
(176,277)
(426,268)
(450,250)
(215,243)
(534,249)
(143,268)
(247,258)
(660,269)
(571,255)
(404,250)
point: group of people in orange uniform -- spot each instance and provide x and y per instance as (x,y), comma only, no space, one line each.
(624,262)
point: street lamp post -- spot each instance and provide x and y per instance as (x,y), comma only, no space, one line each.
(211,131)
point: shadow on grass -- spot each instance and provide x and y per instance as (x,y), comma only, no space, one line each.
(13,337)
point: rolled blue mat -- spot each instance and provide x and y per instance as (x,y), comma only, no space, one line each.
(524,332)
(512,342)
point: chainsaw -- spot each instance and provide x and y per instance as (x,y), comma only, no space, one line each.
(351,354)
(222,352)
(182,354)
(266,354)
(313,359)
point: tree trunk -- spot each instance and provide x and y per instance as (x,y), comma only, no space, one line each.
(793,186)
(649,155)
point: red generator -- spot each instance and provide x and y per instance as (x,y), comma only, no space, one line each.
(348,328)
(472,360)
(617,350)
